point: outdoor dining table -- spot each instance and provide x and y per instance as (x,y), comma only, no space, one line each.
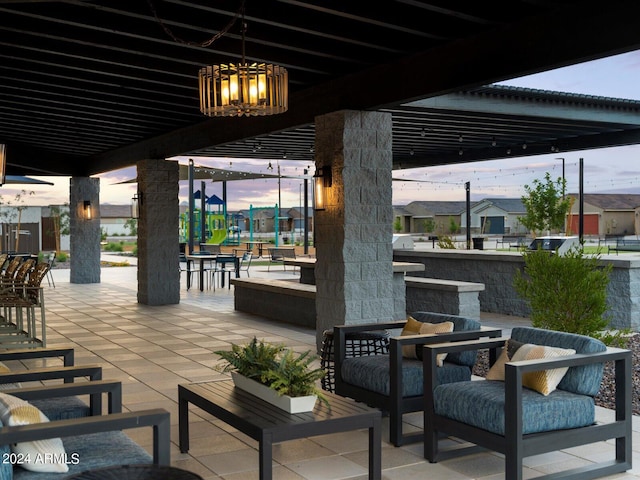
(204,258)
(258,244)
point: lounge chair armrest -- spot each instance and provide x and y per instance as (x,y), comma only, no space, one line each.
(575,360)
(157,418)
(368,327)
(458,336)
(67,354)
(93,372)
(113,389)
(479,344)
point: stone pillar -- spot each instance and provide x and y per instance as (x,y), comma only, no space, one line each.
(84,202)
(158,248)
(354,233)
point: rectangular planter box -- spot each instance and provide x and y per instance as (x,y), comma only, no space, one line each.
(284,402)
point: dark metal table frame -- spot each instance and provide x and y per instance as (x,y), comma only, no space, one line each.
(268,424)
(202,259)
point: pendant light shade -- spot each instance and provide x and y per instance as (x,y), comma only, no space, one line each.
(229,90)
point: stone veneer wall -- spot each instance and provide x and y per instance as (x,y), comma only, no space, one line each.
(158,248)
(353,235)
(497,269)
(84,261)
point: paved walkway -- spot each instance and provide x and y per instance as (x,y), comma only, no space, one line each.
(153,349)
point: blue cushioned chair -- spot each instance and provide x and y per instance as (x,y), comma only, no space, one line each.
(96,440)
(393,383)
(42,367)
(519,422)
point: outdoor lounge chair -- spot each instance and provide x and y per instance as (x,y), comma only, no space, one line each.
(394,383)
(520,422)
(94,439)
(91,442)
(43,367)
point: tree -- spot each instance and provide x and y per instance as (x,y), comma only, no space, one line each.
(8,215)
(545,204)
(60,223)
(453,226)
(132,225)
(397,225)
(429,225)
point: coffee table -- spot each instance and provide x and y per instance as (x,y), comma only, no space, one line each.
(268,424)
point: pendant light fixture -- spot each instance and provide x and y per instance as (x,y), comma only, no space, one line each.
(237,89)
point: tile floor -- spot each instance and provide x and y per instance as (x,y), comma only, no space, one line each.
(153,349)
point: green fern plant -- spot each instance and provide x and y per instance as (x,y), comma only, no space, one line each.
(276,367)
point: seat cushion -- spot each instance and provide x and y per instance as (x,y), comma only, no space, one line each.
(89,452)
(558,411)
(372,373)
(584,380)
(460,324)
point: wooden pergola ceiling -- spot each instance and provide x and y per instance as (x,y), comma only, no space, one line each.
(91,86)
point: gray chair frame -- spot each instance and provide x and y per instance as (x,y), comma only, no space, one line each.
(394,403)
(514,445)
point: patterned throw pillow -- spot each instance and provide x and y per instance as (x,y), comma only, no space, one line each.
(496,372)
(414,327)
(543,381)
(46,455)
(7,386)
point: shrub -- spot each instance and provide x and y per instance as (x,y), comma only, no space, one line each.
(567,293)
(61,257)
(444,241)
(114,247)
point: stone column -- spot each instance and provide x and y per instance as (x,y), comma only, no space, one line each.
(158,249)
(84,226)
(353,235)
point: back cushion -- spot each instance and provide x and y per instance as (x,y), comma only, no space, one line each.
(584,380)
(459,324)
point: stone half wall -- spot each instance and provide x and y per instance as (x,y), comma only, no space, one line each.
(496,270)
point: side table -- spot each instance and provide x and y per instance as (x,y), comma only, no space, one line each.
(268,424)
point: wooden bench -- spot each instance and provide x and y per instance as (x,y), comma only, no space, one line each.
(279,254)
(625,245)
(443,296)
(283,300)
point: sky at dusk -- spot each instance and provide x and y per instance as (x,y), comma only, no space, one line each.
(609,170)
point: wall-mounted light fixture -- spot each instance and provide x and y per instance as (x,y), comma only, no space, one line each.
(136,203)
(3,163)
(86,210)
(322,180)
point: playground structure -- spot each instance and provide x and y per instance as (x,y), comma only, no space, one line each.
(220,229)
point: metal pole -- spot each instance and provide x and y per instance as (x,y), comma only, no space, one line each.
(581,201)
(203,215)
(224,209)
(306,213)
(192,206)
(467,187)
